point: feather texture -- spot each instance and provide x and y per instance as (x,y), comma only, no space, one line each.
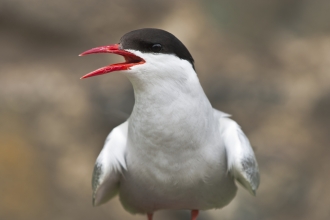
(109,165)
(241,161)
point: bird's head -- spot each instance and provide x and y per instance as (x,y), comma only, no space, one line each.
(149,53)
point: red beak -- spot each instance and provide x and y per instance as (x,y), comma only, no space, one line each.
(130,58)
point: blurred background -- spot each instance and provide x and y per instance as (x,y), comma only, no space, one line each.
(265,62)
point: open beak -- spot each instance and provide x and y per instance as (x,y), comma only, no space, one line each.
(130,58)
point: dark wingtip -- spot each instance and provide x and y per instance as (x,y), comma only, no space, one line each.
(93,202)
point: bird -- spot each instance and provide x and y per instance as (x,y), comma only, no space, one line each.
(175,151)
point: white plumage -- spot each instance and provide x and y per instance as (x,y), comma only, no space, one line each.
(175,151)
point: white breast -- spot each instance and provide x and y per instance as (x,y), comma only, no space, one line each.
(174,159)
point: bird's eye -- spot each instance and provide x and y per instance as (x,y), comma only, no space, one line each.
(156,48)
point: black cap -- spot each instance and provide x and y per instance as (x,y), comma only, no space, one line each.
(152,40)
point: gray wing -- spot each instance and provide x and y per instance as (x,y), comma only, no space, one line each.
(241,161)
(109,165)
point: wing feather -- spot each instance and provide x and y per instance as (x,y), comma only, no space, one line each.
(109,165)
(241,161)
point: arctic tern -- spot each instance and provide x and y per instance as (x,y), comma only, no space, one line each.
(175,151)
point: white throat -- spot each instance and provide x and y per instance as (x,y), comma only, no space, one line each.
(169,100)
(162,78)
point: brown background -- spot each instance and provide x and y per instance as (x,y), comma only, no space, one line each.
(265,62)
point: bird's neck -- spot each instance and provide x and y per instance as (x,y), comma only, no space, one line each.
(173,94)
(168,108)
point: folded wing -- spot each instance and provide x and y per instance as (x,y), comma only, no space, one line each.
(109,165)
(241,161)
